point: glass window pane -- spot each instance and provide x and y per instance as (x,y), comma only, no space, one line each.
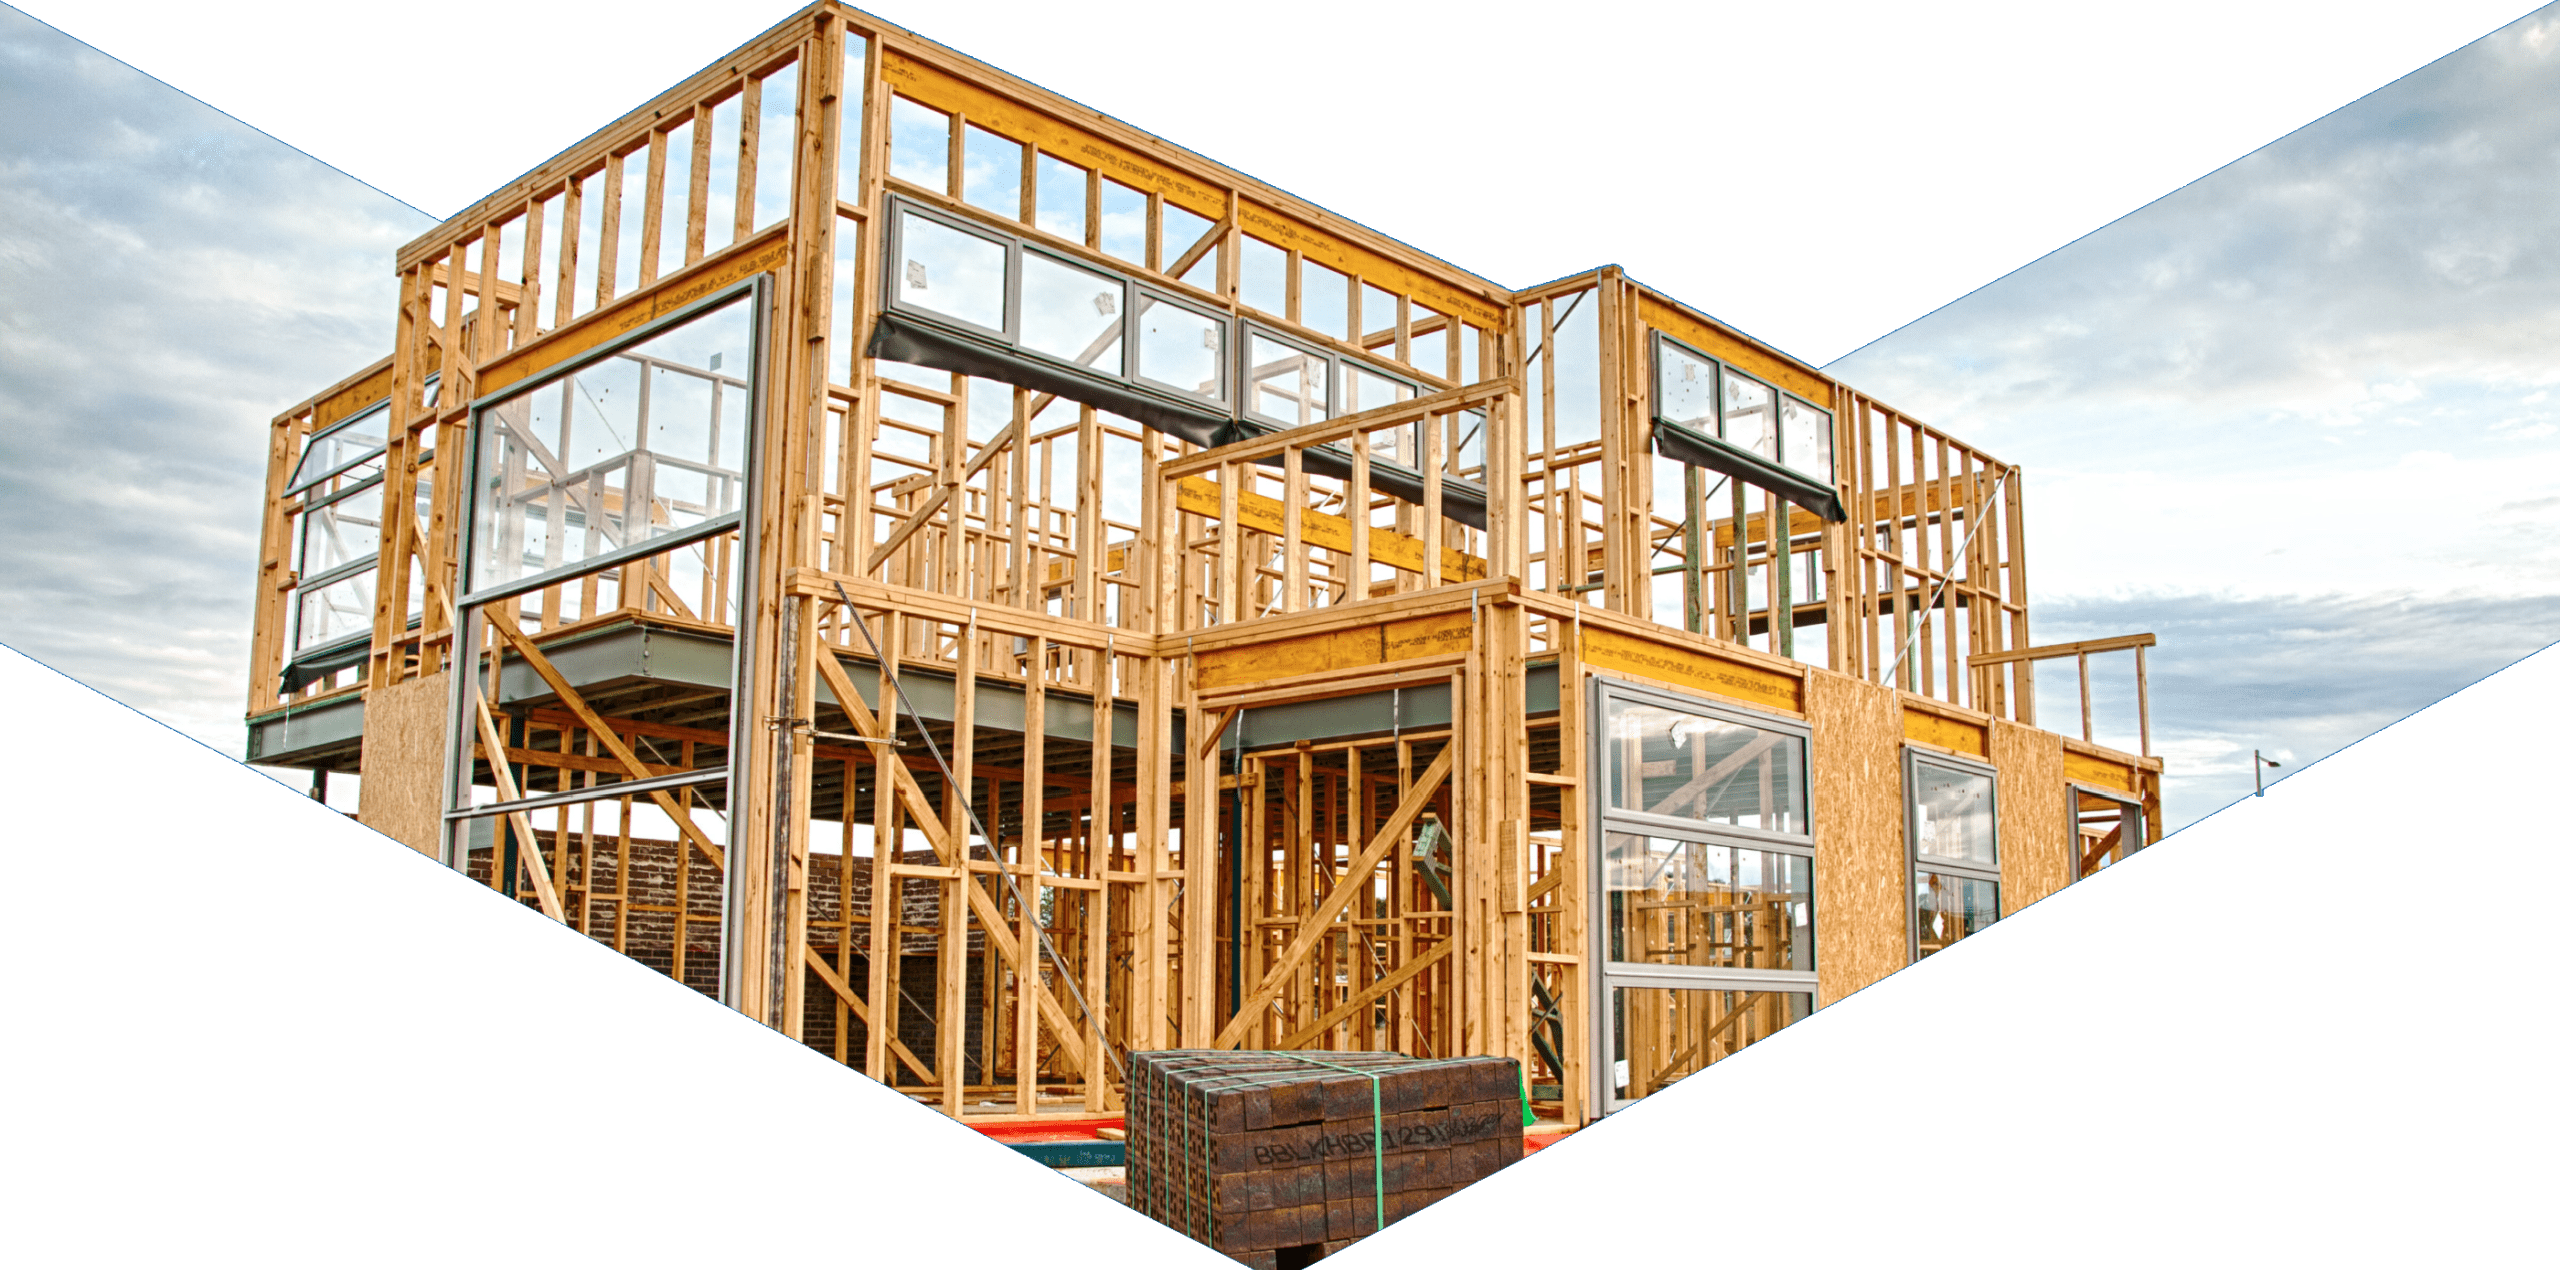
(1071,313)
(1750,415)
(951,272)
(1805,438)
(1181,349)
(1673,763)
(991,173)
(1674,903)
(1951,907)
(1061,194)
(341,533)
(1363,389)
(340,610)
(920,145)
(647,443)
(341,445)
(1662,1034)
(1124,222)
(1951,814)
(1285,385)
(1684,389)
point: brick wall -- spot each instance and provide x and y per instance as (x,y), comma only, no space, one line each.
(641,919)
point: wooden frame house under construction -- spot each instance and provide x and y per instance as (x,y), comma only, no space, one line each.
(858,473)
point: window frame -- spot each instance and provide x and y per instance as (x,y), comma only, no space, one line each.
(1130,377)
(475,449)
(2133,818)
(1778,398)
(457,814)
(1603,820)
(381,409)
(1915,864)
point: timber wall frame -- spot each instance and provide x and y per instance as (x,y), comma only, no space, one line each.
(1012,662)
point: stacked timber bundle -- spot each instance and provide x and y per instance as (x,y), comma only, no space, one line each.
(1247,1151)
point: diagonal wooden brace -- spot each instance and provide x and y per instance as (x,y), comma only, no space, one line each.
(836,984)
(611,740)
(926,820)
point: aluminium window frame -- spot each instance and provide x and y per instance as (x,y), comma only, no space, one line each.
(456,814)
(303,586)
(2132,818)
(1913,755)
(475,450)
(1600,691)
(1778,397)
(381,408)
(1132,375)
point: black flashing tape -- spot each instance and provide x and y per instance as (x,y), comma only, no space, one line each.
(1700,450)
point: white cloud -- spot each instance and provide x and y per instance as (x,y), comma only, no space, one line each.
(2384,280)
(173,281)
(2295,418)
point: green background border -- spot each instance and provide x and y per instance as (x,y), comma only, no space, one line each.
(2297,1030)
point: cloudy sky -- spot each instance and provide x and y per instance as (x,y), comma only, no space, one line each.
(2289,416)
(2297,417)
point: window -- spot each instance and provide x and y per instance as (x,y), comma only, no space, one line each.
(336,544)
(2107,828)
(1706,413)
(628,454)
(342,448)
(1954,830)
(1704,861)
(1015,299)
(636,462)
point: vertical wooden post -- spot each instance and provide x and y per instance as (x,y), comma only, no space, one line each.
(1027,862)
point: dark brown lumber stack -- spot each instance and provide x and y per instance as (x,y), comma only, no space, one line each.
(1249,1150)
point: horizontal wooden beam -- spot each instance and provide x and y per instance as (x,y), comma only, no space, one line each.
(1279,443)
(2112,643)
(1263,513)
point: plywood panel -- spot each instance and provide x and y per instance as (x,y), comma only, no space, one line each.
(1860,878)
(2035,829)
(1959,735)
(1692,669)
(404,759)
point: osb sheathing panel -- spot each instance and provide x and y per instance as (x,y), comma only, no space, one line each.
(2034,835)
(1861,878)
(404,759)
